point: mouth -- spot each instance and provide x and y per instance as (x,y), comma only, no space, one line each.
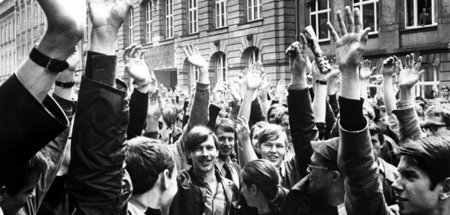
(272,157)
(205,162)
(226,149)
(400,199)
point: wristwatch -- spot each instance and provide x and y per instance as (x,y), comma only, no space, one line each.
(50,64)
(65,84)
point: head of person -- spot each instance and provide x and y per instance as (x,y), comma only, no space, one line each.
(201,146)
(424,183)
(272,141)
(261,185)
(444,91)
(225,132)
(20,185)
(377,138)
(152,170)
(437,120)
(325,180)
(273,112)
(254,134)
(167,122)
(283,120)
(371,111)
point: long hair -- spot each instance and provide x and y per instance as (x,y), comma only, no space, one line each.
(265,177)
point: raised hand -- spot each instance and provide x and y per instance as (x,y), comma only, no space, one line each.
(389,66)
(365,71)
(299,63)
(194,57)
(254,79)
(108,13)
(135,64)
(350,47)
(234,92)
(242,130)
(218,98)
(155,105)
(411,74)
(319,76)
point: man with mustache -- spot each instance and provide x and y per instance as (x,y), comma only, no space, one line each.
(202,189)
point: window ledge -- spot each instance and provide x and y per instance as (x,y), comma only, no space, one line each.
(191,35)
(417,29)
(218,29)
(325,42)
(250,22)
(373,35)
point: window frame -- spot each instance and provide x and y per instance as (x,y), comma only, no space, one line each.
(361,4)
(221,4)
(169,19)
(222,67)
(251,10)
(416,17)
(254,57)
(193,12)
(131,26)
(317,12)
(148,22)
(195,71)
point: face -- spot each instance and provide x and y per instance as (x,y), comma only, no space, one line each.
(286,127)
(435,125)
(376,145)
(255,136)
(412,189)
(320,178)
(164,130)
(204,156)
(171,188)
(12,204)
(274,113)
(275,150)
(226,142)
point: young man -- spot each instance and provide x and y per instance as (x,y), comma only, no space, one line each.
(201,189)
(225,132)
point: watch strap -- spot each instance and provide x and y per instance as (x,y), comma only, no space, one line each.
(321,82)
(50,64)
(65,84)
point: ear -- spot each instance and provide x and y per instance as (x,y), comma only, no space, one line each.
(445,193)
(253,190)
(336,175)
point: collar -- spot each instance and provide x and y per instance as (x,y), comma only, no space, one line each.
(1,211)
(196,181)
(282,170)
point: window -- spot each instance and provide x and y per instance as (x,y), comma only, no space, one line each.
(29,16)
(221,66)
(193,16)
(130,27)
(195,71)
(36,16)
(419,13)
(221,13)
(148,22)
(320,14)
(253,9)
(254,57)
(368,10)
(169,18)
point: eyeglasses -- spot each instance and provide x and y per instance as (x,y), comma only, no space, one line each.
(311,167)
(432,127)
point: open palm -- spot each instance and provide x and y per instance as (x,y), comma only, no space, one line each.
(412,73)
(254,79)
(110,12)
(194,57)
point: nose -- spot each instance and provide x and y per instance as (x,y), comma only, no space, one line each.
(204,151)
(397,185)
(274,148)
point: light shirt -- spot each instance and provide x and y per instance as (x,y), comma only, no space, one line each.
(341,209)
(132,210)
(1,211)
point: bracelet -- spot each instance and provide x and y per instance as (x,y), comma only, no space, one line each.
(138,87)
(321,82)
(65,84)
(50,64)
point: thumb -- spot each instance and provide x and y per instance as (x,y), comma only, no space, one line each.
(421,73)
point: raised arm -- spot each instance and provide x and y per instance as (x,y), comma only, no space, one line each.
(365,71)
(97,181)
(252,82)
(355,155)
(387,70)
(28,113)
(246,153)
(303,131)
(406,114)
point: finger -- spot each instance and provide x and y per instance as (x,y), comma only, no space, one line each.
(413,60)
(189,50)
(421,73)
(358,20)
(134,51)
(196,51)
(303,40)
(373,71)
(349,20)
(399,64)
(186,52)
(365,36)
(333,32)
(408,61)
(341,23)
(419,62)
(127,51)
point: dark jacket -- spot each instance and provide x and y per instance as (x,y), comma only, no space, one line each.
(97,181)
(23,119)
(190,197)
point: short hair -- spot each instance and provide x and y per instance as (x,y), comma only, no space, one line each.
(145,159)
(438,110)
(375,129)
(431,154)
(271,132)
(196,136)
(260,124)
(273,107)
(264,176)
(279,117)
(30,172)
(170,115)
(226,125)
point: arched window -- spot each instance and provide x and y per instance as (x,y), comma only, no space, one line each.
(254,57)
(222,68)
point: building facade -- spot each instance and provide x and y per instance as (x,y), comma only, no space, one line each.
(398,28)
(230,34)
(22,24)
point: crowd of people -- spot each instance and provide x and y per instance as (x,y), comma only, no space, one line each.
(321,145)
